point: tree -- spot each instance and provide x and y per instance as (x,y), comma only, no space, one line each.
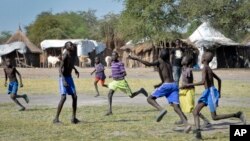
(92,24)
(229,16)
(64,25)
(109,31)
(4,36)
(154,20)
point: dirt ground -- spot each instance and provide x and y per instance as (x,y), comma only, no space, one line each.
(225,74)
(52,100)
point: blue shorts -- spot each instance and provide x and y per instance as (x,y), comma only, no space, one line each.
(169,90)
(70,89)
(13,87)
(211,98)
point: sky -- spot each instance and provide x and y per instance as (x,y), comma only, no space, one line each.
(24,12)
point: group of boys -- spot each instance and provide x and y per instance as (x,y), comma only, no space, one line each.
(181,101)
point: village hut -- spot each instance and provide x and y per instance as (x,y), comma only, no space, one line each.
(228,54)
(149,51)
(85,49)
(29,58)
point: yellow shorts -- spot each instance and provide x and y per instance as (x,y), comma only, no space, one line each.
(186,97)
(120,84)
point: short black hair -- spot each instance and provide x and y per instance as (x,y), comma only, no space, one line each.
(164,54)
(67,43)
(189,59)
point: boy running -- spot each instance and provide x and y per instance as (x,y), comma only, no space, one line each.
(210,96)
(99,75)
(119,82)
(186,96)
(10,73)
(167,88)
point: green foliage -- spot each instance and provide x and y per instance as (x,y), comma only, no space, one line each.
(229,16)
(4,36)
(154,20)
(59,26)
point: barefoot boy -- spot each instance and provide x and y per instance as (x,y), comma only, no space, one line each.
(66,82)
(10,73)
(168,87)
(99,75)
(186,96)
(210,96)
(119,82)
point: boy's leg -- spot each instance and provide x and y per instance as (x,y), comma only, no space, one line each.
(24,96)
(74,106)
(206,122)
(239,115)
(110,95)
(152,101)
(104,85)
(183,118)
(14,98)
(96,88)
(59,108)
(142,90)
(196,114)
(178,110)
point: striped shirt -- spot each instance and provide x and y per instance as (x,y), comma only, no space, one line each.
(117,70)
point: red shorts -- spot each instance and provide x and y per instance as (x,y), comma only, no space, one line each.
(98,79)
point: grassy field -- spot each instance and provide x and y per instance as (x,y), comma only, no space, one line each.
(129,122)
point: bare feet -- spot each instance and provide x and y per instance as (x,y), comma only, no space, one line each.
(26,98)
(187,129)
(56,121)
(242,117)
(206,125)
(198,134)
(22,109)
(75,121)
(161,115)
(108,114)
(179,122)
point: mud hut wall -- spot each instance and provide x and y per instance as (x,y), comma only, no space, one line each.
(33,59)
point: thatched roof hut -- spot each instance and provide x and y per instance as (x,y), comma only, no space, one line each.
(31,58)
(228,54)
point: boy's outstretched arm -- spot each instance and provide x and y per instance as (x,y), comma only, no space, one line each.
(6,78)
(156,63)
(93,71)
(219,82)
(20,78)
